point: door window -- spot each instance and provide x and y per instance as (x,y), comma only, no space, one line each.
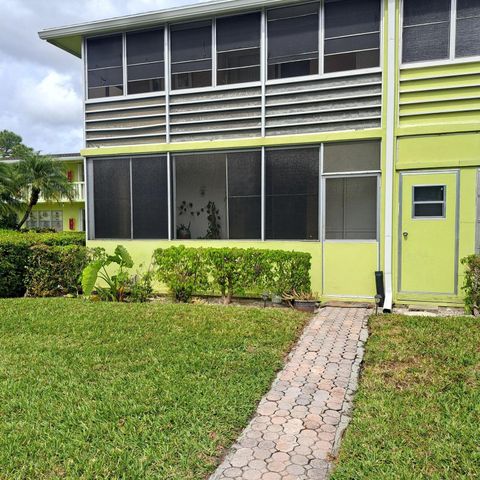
(428,201)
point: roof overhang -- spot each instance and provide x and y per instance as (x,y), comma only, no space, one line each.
(69,38)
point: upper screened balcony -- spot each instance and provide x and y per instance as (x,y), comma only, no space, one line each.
(250,70)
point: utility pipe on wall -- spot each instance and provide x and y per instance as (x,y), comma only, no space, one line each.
(390,147)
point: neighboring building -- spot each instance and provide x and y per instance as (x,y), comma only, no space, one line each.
(65,215)
(344,128)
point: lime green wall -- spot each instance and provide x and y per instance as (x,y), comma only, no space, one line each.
(236,143)
(349,269)
(351,266)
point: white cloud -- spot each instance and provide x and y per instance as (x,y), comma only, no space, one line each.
(53,100)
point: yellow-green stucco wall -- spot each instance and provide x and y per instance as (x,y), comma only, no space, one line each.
(348,268)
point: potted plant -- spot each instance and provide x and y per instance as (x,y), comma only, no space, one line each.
(183,232)
(303,301)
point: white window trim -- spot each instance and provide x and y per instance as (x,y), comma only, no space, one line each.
(264,81)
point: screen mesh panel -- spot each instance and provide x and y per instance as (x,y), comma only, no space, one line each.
(244,195)
(111,186)
(351,208)
(351,157)
(292,194)
(150,197)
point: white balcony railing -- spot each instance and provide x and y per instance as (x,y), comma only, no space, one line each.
(78,193)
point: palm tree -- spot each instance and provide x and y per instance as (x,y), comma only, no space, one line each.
(9,203)
(39,174)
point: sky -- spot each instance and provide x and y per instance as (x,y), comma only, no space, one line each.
(40,85)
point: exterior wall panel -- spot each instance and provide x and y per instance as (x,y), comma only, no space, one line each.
(125,122)
(447,95)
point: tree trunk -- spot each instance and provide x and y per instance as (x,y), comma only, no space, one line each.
(32,202)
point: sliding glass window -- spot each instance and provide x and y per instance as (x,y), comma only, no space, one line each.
(191,55)
(145,62)
(104,66)
(293,40)
(291,189)
(352,35)
(238,49)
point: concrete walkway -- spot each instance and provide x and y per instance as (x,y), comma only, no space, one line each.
(299,423)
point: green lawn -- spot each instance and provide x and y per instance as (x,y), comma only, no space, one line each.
(96,390)
(417,412)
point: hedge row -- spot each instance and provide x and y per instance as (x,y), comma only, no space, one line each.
(231,271)
(19,257)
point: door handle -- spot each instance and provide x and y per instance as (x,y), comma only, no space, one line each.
(405,235)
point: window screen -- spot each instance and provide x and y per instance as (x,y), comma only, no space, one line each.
(293,41)
(351,157)
(352,35)
(104,66)
(238,49)
(426,30)
(145,65)
(244,195)
(351,208)
(200,189)
(111,190)
(150,197)
(429,201)
(292,194)
(191,55)
(468,28)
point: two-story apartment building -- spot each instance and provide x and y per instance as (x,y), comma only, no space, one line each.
(344,128)
(65,214)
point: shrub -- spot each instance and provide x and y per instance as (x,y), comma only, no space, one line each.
(15,256)
(471,284)
(120,286)
(288,272)
(231,271)
(183,270)
(54,270)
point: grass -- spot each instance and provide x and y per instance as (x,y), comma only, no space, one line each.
(417,411)
(96,390)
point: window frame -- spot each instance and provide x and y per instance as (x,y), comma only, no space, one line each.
(264,81)
(430,202)
(451,60)
(86,69)
(372,174)
(162,27)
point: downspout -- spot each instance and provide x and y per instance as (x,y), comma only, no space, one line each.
(390,148)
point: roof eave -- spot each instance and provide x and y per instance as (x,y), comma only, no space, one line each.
(189,12)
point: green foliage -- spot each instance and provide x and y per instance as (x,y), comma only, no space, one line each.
(231,271)
(37,175)
(16,254)
(471,284)
(10,144)
(119,286)
(234,271)
(182,270)
(54,270)
(131,388)
(8,221)
(417,409)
